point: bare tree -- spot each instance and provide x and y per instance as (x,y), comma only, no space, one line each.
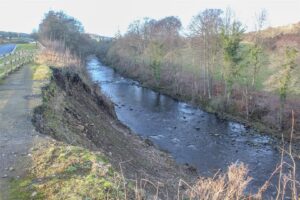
(256,50)
(205,27)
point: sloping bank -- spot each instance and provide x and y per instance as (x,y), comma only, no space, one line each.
(91,139)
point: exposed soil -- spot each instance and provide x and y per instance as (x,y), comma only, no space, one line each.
(79,114)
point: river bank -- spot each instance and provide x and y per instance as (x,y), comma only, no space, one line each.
(190,134)
(216,107)
(78,114)
(98,155)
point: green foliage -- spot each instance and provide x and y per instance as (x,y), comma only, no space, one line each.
(256,61)
(284,80)
(155,52)
(24,189)
(231,37)
(41,73)
(253,59)
(27,47)
(288,67)
(71,169)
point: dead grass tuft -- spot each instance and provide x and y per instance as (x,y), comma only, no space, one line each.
(230,185)
(57,55)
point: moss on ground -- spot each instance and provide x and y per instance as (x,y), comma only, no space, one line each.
(41,72)
(62,171)
(23,189)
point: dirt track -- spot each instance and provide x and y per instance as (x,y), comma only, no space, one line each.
(19,94)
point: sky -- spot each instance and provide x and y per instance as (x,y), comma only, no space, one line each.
(106,17)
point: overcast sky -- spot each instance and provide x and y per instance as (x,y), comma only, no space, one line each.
(106,17)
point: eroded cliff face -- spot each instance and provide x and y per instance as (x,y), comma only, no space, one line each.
(76,113)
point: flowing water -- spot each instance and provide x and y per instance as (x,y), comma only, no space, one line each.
(191,135)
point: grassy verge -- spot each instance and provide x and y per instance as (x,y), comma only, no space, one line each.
(61,171)
(41,72)
(27,47)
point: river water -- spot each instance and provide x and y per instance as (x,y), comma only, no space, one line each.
(191,135)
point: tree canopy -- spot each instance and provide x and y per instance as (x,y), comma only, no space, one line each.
(58,26)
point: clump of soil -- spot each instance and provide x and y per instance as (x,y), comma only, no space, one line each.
(78,114)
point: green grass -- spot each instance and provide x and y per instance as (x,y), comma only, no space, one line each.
(67,172)
(28,46)
(41,72)
(23,189)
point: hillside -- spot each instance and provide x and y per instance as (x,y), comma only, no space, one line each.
(278,37)
(275,40)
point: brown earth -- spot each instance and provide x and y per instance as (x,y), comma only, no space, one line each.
(79,114)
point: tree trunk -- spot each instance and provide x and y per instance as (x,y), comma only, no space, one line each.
(281,113)
(246,102)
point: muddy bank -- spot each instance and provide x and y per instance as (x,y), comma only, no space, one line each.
(78,114)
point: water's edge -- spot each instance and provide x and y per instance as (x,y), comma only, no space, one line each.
(191,135)
(256,125)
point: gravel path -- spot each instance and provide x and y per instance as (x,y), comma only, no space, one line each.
(19,94)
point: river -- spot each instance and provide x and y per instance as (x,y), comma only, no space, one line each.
(189,134)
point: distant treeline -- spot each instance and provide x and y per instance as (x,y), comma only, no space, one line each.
(8,35)
(212,65)
(15,37)
(68,32)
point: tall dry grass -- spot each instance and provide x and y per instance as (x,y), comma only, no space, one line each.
(227,186)
(56,54)
(232,184)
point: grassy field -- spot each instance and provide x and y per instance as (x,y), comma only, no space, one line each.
(28,46)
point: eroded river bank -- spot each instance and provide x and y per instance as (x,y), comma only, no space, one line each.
(189,134)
